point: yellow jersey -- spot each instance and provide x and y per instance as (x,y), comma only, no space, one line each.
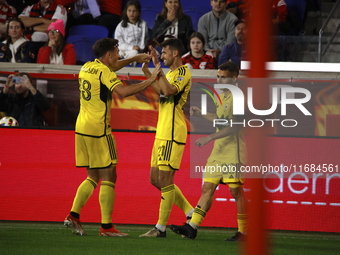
(96,84)
(171,120)
(231,148)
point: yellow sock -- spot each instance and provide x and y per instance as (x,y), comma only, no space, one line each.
(181,201)
(168,198)
(197,217)
(84,192)
(106,200)
(242,222)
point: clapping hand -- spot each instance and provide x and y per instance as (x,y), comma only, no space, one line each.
(153,55)
(142,58)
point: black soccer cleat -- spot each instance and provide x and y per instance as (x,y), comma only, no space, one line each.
(185,230)
(238,237)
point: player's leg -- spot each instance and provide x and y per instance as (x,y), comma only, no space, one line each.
(174,162)
(204,204)
(211,181)
(180,199)
(154,176)
(237,191)
(105,158)
(166,182)
(107,196)
(83,193)
(235,181)
(166,157)
(154,171)
(183,203)
(167,187)
(155,181)
(84,190)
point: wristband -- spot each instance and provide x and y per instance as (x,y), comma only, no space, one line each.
(6,86)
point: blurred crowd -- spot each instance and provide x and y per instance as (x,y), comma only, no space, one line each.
(41,31)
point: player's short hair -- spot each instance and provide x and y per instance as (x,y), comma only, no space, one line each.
(229,66)
(174,44)
(104,45)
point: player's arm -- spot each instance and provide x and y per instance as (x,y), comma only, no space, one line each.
(167,89)
(195,111)
(125,91)
(220,134)
(139,58)
(147,73)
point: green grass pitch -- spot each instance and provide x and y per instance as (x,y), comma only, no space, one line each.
(39,238)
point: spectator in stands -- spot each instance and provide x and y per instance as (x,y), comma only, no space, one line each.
(110,14)
(7,12)
(280,17)
(235,51)
(311,6)
(172,22)
(132,31)
(39,16)
(20,5)
(238,7)
(26,104)
(17,48)
(217,27)
(81,12)
(57,50)
(197,57)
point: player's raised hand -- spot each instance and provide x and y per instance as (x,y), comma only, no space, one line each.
(145,66)
(195,111)
(153,55)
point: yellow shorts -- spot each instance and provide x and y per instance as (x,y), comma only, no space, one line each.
(166,155)
(221,173)
(94,152)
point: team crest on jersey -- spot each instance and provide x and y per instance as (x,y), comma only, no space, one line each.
(225,107)
(180,78)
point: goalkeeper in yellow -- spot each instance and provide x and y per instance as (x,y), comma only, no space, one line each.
(94,142)
(171,132)
(229,152)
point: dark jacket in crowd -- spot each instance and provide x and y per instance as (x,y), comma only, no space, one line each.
(27,111)
(26,53)
(185,28)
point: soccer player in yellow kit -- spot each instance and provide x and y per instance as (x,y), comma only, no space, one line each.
(95,144)
(171,132)
(229,151)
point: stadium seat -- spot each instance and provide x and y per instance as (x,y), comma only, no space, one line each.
(195,14)
(83,46)
(89,31)
(201,4)
(148,14)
